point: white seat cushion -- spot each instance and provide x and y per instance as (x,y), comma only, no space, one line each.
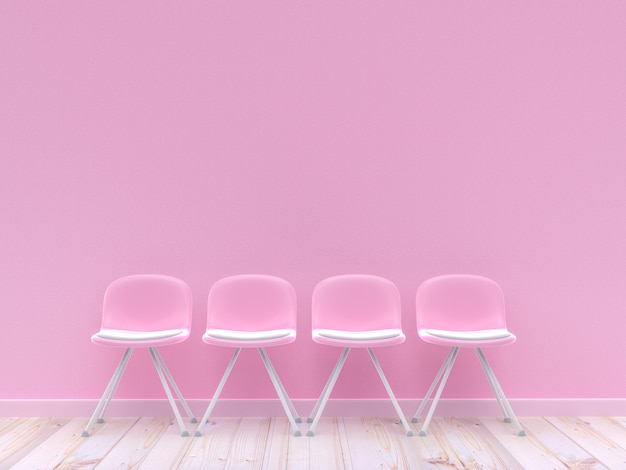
(477,335)
(371,335)
(235,335)
(127,335)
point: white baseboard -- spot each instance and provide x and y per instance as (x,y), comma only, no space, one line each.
(337,407)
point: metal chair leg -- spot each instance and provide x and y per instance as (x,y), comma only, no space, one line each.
(431,411)
(328,388)
(419,411)
(498,391)
(290,411)
(379,369)
(168,392)
(216,395)
(104,402)
(485,367)
(172,382)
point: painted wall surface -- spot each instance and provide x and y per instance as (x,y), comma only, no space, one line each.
(307,139)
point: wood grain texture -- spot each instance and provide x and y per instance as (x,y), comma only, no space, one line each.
(530,451)
(483,449)
(602,446)
(567,451)
(329,448)
(169,451)
(136,445)
(211,450)
(247,449)
(373,444)
(340,443)
(19,437)
(67,449)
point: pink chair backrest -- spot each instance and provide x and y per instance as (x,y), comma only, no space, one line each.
(147,302)
(460,302)
(252,302)
(356,302)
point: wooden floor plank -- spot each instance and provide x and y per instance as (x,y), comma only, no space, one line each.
(21,436)
(561,446)
(7,424)
(600,445)
(471,444)
(417,451)
(428,452)
(530,451)
(326,449)
(169,451)
(248,448)
(136,444)
(371,444)
(345,446)
(614,428)
(339,443)
(211,450)
(13,434)
(46,451)
(488,452)
(453,452)
(67,449)
(278,445)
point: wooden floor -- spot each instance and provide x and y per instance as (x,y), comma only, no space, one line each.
(340,443)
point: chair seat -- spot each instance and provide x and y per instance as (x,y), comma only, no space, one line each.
(128,335)
(476,335)
(235,335)
(372,335)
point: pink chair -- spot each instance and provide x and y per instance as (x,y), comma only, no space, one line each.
(463,311)
(356,311)
(144,311)
(252,311)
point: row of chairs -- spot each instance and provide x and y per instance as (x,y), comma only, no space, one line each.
(259,311)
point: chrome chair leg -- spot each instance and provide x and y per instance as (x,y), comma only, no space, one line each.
(328,388)
(431,411)
(290,411)
(216,395)
(104,402)
(395,403)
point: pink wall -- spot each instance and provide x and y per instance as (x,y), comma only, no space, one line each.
(306,139)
